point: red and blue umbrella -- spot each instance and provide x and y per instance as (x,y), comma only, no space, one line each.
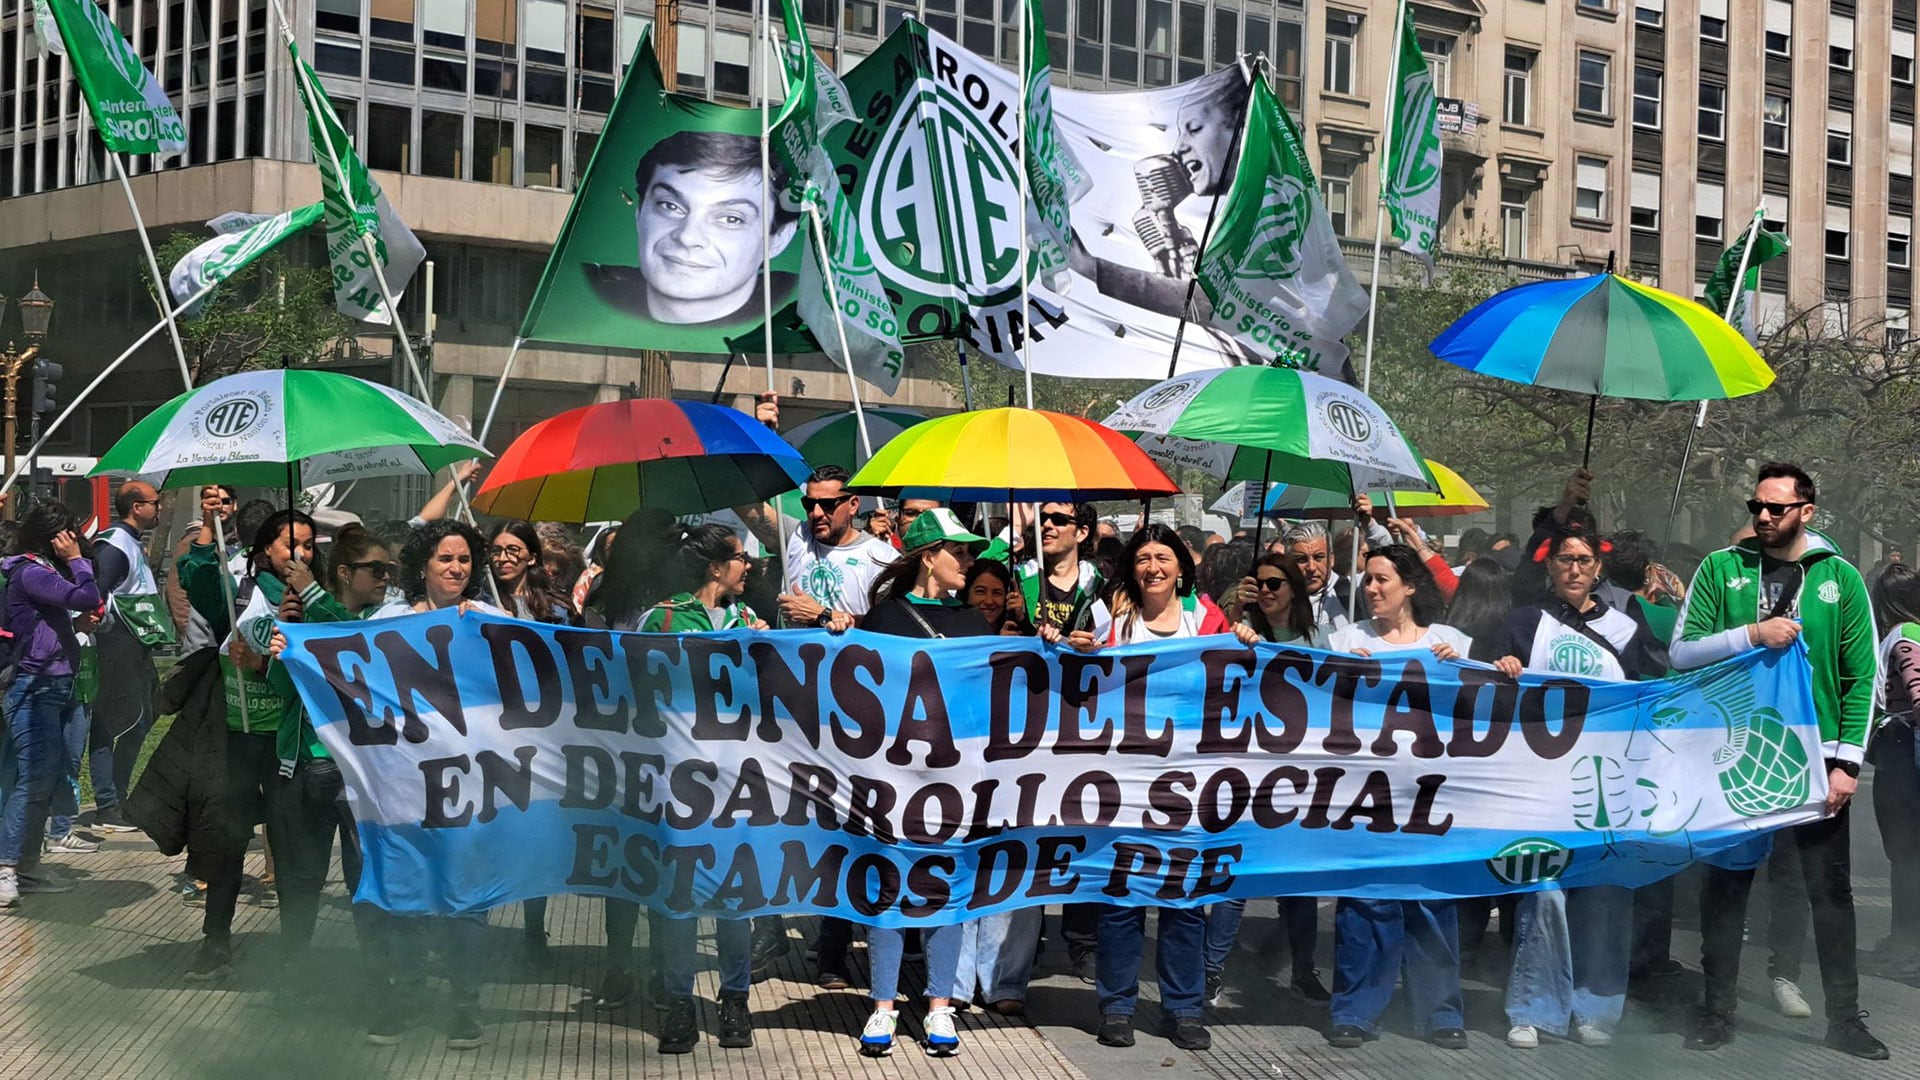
(602,462)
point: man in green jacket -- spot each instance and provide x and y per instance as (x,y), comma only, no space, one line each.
(1789,583)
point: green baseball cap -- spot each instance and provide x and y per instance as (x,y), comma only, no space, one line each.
(937,525)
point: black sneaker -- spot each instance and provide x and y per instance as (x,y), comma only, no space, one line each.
(1190,1033)
(463,1029)
(109,819)
(678,1031)
(213,962)
(1216,985)
(534,952)
(1308,986)
(1713,1030)
(833,976)
(736,1022)
(768,948)
(1346,1036)
(386,1028)
(1085,968)
(1448,1038)
(1850,1036)
(1116,1029)
(616,989)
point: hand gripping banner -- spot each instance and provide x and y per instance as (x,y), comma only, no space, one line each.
(904,782)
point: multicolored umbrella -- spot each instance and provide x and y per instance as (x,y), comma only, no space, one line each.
(271,427)
(602,462)
(834,439)
(1455,496)
(1265,423)
(1012,453)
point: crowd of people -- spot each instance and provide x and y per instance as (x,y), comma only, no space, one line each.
(241,753)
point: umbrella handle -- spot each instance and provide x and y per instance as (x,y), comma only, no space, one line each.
(1593,405)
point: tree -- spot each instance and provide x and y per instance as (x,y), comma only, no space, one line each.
(271,309)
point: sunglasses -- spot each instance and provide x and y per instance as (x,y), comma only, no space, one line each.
(826,505)
(1754,506)
(1057,520)
(1270,584)
(381,571)
(739,557)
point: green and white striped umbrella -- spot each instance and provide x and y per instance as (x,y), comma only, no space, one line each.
(1273,423)
(245,428)
(834,439)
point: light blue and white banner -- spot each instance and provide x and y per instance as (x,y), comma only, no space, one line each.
(898,781)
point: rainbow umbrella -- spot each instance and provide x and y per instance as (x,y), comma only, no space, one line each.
(1012,453)
(1455,496)
(602,462)
(1605,336)
(834,439)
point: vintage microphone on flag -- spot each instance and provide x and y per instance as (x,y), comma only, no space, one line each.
(1255,70)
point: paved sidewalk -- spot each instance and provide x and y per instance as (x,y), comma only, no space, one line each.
(90,987)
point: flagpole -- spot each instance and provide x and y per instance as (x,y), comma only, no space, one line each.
(1026,198)
(840,326)
(499,386)
(161,295)
(768,56)
(1206,231)
(1700,416)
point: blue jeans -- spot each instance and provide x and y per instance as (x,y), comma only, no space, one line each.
(1179,958)
(1377,942)
(1570,958)
(996,955)
(66,791)
(1299,914)
(885,947)
(36,707)
(734,939)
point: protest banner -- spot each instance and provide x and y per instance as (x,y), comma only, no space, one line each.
(903,782)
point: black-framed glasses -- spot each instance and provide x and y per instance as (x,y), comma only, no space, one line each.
(1057,519)
(1270,584)
(1568,562)
(828,505)
(379,568)
(508,553)
(1754,506)
(739,557)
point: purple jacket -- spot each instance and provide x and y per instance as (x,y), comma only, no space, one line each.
(40,603)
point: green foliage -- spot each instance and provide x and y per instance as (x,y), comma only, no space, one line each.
(244,324)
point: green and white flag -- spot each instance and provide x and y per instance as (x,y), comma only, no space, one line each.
(1721,289)
(1054,176)
(355,207)
(864,313)
(46,30)
(128,105)
(238,240)
(1413,151)
(1274,270)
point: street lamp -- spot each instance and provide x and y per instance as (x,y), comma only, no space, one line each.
(36,311)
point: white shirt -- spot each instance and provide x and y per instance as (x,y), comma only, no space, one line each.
(1360,635)
(838,578)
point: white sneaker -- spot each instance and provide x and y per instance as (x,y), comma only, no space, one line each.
(942,1039)
(1789,1001)
(876,1039)
(1587,1033)
(1523,1037)
(9,886)
(72,844)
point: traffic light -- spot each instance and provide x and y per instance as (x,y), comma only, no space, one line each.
(46,383)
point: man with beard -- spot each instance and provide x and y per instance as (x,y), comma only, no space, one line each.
(1789,583)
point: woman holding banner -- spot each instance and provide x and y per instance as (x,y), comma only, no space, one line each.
(709,559)
(1377,941)
(1155,601)
(915,597)
(1570,946)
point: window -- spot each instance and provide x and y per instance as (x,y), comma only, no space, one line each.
(732,64)
(1839,137)
(1596,77)
(1896,329)
(1336,190)
(1776,212)
(444,23)
(1839,231)
(631,27)
(1900,148)
(1519,93)
(493,150)
(542,158)
(1596,5)
(1774,122)
(546,41)
(1840,42)
(1779,28)
(1713,20)
(692,59)
(1343,33)
(1903,57)
(442,144)
(1643,211)
(1439,54)
(1651,13)
(1713,111)
(1709,211)
(1515,202)
(1646,97)
(389,137)
(1899,241)
(1590,188)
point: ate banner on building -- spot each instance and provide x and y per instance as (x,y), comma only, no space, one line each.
(901,781)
